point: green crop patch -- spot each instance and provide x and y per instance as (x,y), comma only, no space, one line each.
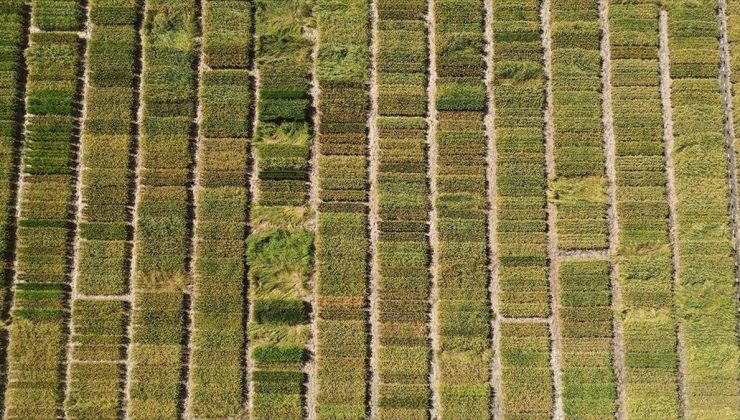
(589,382)
(161,225)
(518,91)
(403,246)
(579,186)
(53,65)
(705,298)
(280,249)
(462,207)
(349,209)
(525,369)
(644,252)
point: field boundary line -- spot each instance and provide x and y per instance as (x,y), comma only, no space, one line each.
(665,93)
(252,182)
(610,157)
(373,165)
(491,161)
(552,250)
(195,191)
(725,74)
(137,158)
(310,368)
(14,201)
(75,206)
(435,405)
(250,185)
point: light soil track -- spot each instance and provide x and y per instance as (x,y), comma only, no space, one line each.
(552,251)
(665,93)
(253,198)
(77,209)
(196,189)
(186,384)
(726,88)
(491,160)
(310,367)
(432,154)
(252,192)
(373,165)
(581,254)
(135,209)
(610,156)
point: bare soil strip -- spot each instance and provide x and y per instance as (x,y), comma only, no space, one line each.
(139,92)
(491,159)
(610,156)
(725,72)
(581,254)
(373,167)
(195,191)
(552,251)
(665,93)
(75,208)
(253,198)
(310,367)
(432,155)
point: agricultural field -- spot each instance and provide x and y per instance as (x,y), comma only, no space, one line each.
(370,209)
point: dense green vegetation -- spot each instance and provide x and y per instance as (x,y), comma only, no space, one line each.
(463,312)
(35,377)
(161,238)
(403,249)
(519,96)
(217,372)
(706,303)
(589,382)
(11,42)
(203,215)
(644,254)
(341,237)
(98,331)
(280,246)
(579,186)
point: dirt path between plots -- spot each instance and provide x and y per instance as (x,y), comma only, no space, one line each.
(610,153)
(726,88)
(552,252)
(311,366)
(665,93)
(435,408)
(491,160)
(373,222)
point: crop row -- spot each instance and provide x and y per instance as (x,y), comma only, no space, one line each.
(403,246)
(462,203)
(216,343)
(645,268)
(44,227)
(519,95)
(705,292)
(162,233)
(280,244)
(342,238)
(589,381)
(11,43)
(526,378)
(98,327)
(579,186)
